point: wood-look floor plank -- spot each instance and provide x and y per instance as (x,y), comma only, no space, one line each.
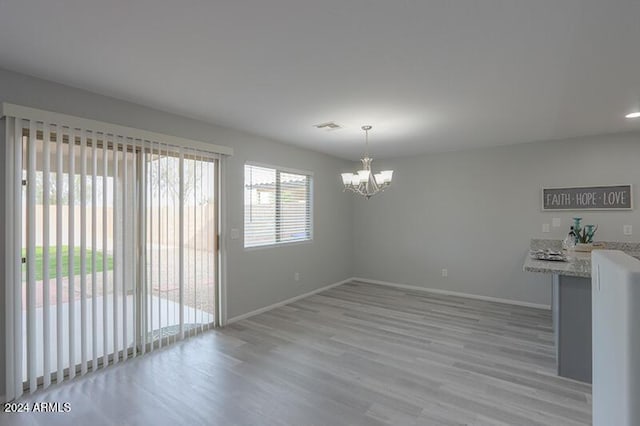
(358,354)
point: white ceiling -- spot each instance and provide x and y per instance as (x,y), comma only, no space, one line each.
(427,75)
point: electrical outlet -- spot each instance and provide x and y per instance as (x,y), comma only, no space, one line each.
(627,230)
(556,222)
(445,273)
(545,228)
(296,276)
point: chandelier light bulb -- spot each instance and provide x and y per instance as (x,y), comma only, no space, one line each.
(347,178)
(363,175)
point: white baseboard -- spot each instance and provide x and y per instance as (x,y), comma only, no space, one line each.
(285,302)
(455,293)
(390,284)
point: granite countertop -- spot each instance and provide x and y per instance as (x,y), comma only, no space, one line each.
(578,265)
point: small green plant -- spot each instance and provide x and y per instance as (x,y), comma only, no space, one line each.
(585,235)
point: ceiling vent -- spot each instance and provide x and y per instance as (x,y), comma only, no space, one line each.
(330,125)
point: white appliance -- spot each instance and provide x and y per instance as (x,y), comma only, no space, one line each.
(615,299)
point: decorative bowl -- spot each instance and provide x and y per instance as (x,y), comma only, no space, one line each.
(587,247)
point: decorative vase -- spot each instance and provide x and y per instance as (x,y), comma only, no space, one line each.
(576,227)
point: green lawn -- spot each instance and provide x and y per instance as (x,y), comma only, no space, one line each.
(65,261)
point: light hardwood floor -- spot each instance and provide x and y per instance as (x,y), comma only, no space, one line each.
(358,354)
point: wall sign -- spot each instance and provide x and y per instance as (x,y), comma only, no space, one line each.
(616,197)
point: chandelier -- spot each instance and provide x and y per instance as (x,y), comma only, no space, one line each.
(365,182)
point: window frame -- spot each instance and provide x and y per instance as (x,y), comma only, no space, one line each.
(278,170)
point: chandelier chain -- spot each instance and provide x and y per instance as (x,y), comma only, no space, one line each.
(366,138)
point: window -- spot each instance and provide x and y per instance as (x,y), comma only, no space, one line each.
(277,206)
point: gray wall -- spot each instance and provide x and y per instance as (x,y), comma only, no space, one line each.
(473,212)
(256,278)
(2,261)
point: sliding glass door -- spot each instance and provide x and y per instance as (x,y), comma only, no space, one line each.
(180,195)
(119,248)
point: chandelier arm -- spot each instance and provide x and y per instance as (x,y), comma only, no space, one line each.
(374,184)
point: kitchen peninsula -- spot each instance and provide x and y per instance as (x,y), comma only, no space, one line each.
(571,303)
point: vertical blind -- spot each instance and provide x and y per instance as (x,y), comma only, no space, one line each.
(112,245)
(277,206)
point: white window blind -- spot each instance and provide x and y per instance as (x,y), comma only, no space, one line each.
(113,245)
(277,206)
